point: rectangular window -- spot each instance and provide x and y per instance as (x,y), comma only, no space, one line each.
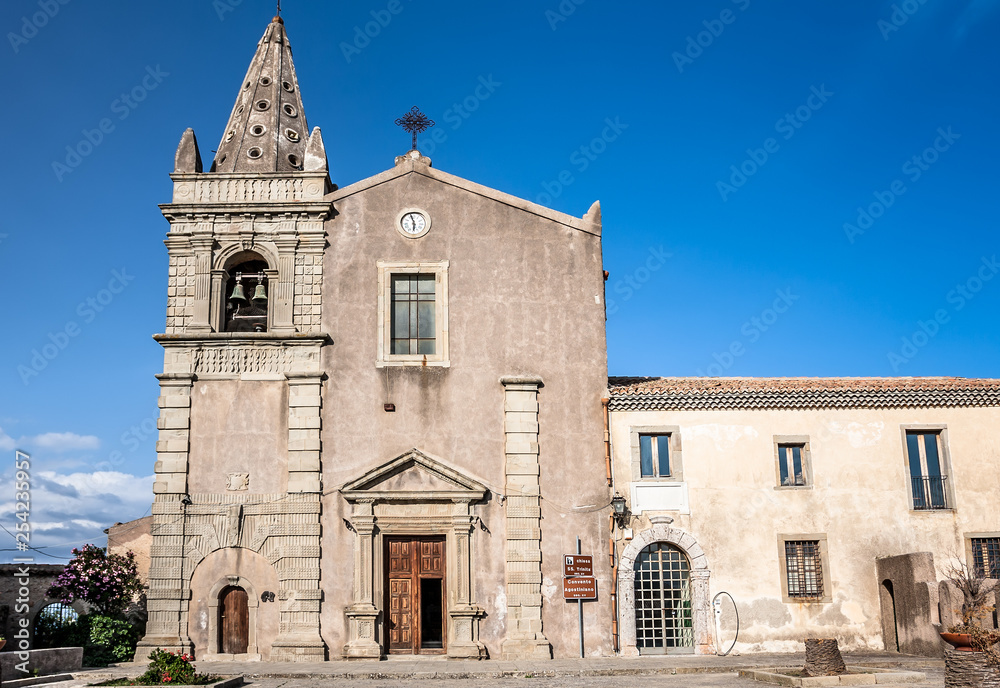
(986,556)
(412,319)
(790,464)
(803,569)
(412,314)
(654,456)
(927,481)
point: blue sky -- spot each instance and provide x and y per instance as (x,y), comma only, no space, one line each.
(805,190)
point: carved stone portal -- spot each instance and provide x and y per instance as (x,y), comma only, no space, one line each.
(413,495)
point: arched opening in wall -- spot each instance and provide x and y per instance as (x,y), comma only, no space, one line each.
(247,295)
(663,613)
(57,625)
(234,621)
(890,628)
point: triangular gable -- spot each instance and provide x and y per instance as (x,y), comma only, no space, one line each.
(413,476)
(589,223)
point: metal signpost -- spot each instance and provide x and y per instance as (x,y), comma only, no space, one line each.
(579,583)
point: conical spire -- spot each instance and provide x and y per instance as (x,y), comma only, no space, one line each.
(267,130)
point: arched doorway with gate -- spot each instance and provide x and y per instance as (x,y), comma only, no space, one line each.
(663,587)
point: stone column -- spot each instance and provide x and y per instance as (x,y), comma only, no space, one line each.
(299,593)
(174,433)
(362,614)
(304,401)
(299,572)
(463,628)
(218,300)
(169,590)
(701,613)
(283,288)
(201,311)
(525,638)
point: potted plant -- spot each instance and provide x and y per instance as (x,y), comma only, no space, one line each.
(969,635)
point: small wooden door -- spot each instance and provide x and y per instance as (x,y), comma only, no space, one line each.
(415,588)
(234,626)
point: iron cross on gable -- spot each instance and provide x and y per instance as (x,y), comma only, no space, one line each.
(415,122)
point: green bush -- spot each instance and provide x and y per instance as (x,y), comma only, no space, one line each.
(104,640)
(166,669)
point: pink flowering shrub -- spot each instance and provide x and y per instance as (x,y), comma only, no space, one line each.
(107,582)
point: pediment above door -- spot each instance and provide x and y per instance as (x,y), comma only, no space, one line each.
(414,476)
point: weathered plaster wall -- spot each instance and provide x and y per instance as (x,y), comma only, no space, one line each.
(859,500)
(525,298)
(239,426)
(136,537)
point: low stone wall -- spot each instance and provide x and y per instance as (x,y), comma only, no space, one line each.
(52,661)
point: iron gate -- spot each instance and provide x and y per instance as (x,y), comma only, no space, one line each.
(663,600)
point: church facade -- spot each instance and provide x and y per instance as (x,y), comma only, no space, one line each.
(380,407)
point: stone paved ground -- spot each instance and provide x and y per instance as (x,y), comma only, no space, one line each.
(645,672)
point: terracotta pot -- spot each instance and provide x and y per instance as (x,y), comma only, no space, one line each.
(2,643)
(960,641)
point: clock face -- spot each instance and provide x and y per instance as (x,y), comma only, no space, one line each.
(413,223)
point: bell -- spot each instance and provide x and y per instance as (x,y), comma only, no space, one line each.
(259,293)
(238,293)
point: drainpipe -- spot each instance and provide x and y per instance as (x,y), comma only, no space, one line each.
(611,531)
(614,585)
(607,440)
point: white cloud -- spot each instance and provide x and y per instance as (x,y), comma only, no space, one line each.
(6,442)
(71,509)
(63,441)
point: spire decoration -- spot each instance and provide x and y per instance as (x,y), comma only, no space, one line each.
(267,130)
(414,122)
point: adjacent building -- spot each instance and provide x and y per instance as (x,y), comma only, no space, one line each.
(825,507)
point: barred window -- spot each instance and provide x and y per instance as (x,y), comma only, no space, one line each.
(986,556)
(804,569)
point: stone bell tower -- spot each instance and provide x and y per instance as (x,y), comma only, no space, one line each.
(236,533)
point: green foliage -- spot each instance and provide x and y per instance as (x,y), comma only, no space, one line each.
(166,669)
(104,639)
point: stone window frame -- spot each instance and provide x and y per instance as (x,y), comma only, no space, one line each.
(676,455)
(944,458)
(807,470)
(386,269)
(824,559)
(969,537)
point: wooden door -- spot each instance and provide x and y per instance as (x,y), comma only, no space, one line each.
(415,595)
(234,626)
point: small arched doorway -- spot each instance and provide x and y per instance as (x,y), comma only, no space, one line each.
(234,621)
(663,613)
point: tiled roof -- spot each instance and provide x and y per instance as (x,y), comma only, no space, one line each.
(676,393)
